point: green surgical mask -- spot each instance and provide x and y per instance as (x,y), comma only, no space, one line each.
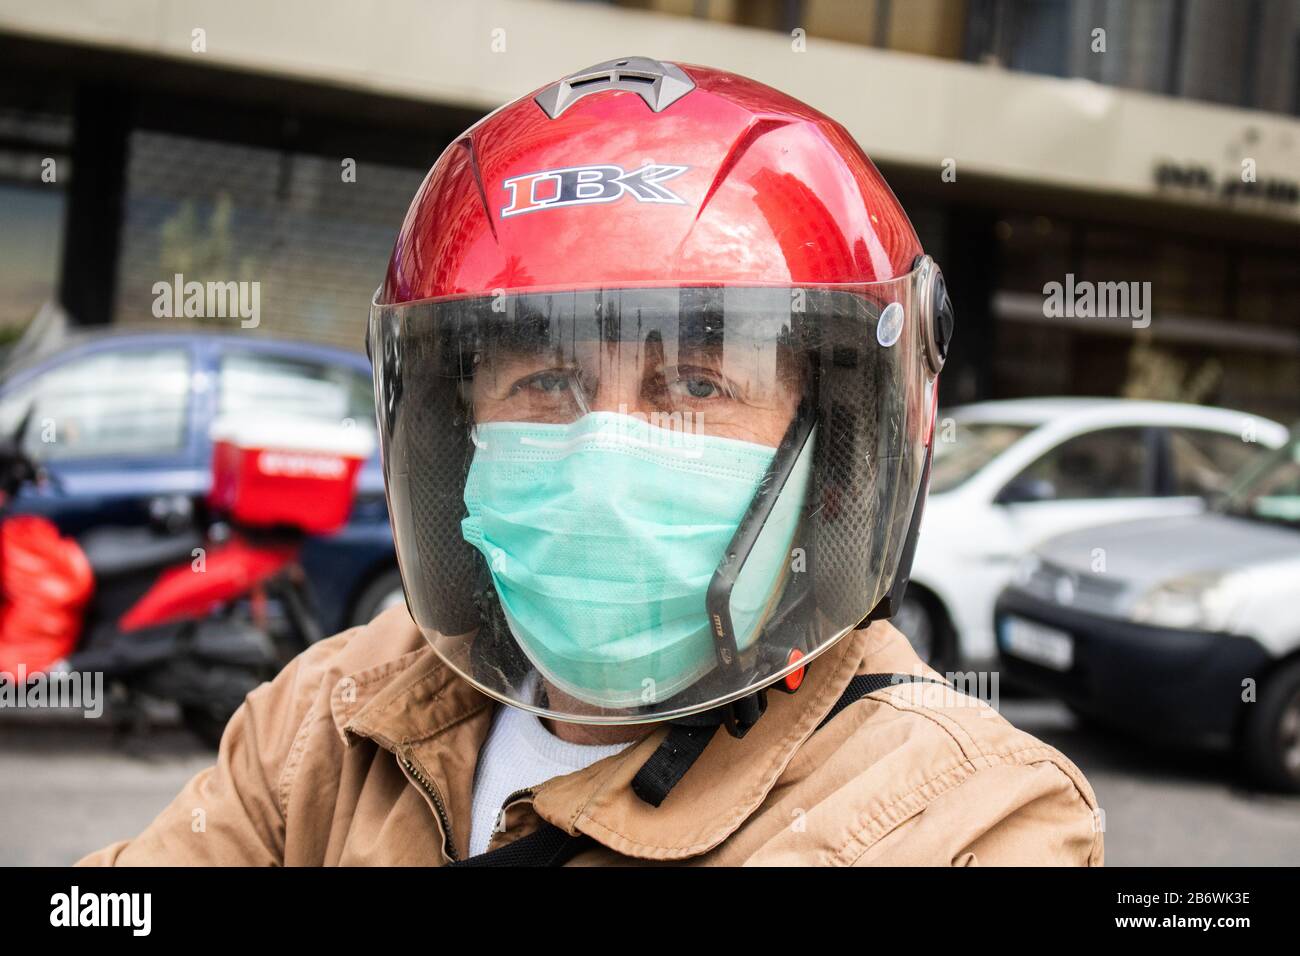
(602,537)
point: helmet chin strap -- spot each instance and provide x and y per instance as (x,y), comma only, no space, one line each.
(678,752)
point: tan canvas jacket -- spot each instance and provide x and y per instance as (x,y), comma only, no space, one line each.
(362,752)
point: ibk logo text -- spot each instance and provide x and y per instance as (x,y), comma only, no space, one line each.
(583,185)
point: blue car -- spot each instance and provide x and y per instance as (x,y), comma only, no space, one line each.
(121,419)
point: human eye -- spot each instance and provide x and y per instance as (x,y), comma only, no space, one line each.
(696,384)
(549,383)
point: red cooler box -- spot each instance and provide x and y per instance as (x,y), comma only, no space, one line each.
(276,472)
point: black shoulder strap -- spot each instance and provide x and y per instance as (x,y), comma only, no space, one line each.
(865,684)
(548,845)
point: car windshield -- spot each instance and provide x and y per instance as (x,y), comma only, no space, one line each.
(1271,491)
(968,447)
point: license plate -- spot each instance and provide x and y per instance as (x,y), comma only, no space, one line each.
(1035,642)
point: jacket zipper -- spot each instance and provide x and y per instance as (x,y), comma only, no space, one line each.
(505,805)
(517,795)
(439,807)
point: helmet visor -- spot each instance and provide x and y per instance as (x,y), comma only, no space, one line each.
(627,505)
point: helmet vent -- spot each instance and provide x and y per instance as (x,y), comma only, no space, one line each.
(658,83)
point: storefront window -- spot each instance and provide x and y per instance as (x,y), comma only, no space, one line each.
(314,241)
(34,171)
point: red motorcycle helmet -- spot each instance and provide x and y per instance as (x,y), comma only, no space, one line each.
(604,229)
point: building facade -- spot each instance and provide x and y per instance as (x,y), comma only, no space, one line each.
(1034,142)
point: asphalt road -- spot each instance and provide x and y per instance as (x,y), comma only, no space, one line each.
(71,786)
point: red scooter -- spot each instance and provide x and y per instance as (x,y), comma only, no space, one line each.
(198,615)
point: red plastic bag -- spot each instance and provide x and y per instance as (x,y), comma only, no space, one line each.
(45,582)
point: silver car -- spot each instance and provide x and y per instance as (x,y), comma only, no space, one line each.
(1182,628)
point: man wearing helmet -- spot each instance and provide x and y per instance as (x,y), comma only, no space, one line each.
(656,365)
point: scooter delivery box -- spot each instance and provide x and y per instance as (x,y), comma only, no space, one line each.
(276,472)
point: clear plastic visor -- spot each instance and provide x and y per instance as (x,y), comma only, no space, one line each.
(627,505)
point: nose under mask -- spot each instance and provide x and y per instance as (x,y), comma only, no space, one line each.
(602,536)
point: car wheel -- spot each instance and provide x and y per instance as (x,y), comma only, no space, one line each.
(1272,731)
(383,592)
(925,629)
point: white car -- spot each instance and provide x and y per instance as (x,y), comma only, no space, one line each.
(1009,474)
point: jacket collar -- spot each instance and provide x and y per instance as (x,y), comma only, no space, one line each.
(404,701)
(419,708)
(722,789)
